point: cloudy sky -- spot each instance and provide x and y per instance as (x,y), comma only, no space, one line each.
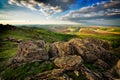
(90,12)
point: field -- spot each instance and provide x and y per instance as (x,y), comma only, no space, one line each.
(50,34)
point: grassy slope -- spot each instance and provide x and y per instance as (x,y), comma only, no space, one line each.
(8,49)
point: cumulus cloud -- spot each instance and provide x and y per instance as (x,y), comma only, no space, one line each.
(103,10)
(46,6)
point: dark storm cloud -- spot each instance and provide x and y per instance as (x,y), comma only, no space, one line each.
(104,10)
(45,6)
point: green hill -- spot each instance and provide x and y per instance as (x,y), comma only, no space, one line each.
(11,36)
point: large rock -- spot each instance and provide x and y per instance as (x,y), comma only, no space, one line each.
(97,48)
(74,63)
(101,64)
(91,57)
(90,46)
(99,42)
(55,74)
(59,49)
(92,75)
(69,62)
(29,51)
(89,49)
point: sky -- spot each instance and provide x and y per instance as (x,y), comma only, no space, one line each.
(83,12)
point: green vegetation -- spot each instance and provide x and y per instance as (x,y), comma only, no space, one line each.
(8,49)
(52,36)
(103,28)
(92,67)
(116,30)
(113,39)
(29,69)
(115,74)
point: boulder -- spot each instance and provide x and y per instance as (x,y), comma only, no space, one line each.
(91,57)
(59,49)
(54,74)
(29,51)
(92,75)
(89,49)
(71,62)
(101,64)
(99,42)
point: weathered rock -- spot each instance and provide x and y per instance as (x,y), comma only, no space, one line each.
(69,56)
(69,62)
(118,67)
(99,49)
(30,51)
(76,72)
(51,75)
(91,57)
(59,49)
(101,64)
(91,75)
(98,42)
(89,49)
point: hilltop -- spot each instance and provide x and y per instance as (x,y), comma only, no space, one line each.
(41,54)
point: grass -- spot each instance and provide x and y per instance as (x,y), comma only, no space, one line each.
(103,28)
(116,30)
(27,70)
(114,40)
(8,49)
(92,67)
(52,36)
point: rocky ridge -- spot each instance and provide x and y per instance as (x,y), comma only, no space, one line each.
(69,56)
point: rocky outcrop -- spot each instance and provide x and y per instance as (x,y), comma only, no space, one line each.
(55,74)
(30,51)
(59,49)
(69,62)
(91,75)
(91,50)
(69,56)
(76,63)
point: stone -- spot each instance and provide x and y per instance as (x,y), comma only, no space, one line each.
(76,72)
(91,75)
(30,51)
(118,67)
(99,49)
(71,62)
(91,58)
(59,49)
(54,74)
(101,64)
(90,49)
